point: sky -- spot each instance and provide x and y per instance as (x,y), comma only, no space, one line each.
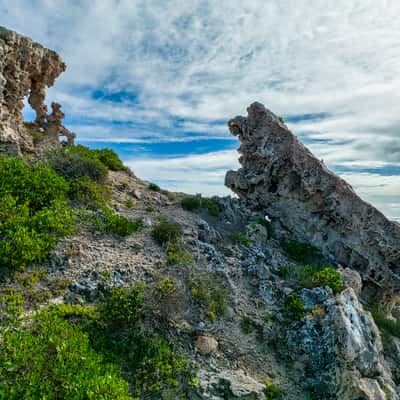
(157,81)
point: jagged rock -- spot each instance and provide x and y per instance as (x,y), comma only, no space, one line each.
(282,176)
(206,345)
(26,69)
(339,347)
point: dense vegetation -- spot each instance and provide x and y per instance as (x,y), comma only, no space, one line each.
(38,200)
(78,352)
(193,203)
(34,213)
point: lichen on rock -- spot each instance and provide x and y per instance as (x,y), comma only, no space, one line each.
(26,70)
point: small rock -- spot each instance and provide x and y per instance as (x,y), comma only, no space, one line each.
(206,345)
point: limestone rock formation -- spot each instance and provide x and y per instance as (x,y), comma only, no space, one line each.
(340,349)
(26,69)
(282,177)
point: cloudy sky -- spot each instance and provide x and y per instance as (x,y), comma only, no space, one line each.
(157,81)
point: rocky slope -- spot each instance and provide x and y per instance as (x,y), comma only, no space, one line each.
(241,302)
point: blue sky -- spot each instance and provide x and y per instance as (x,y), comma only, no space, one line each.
(157,81)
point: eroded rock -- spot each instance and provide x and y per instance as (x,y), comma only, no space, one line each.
(281,176)
(339,348)
(26,69)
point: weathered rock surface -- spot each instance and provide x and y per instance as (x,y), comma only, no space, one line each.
(26,69)
(339,348)
(230,385)
(281,176)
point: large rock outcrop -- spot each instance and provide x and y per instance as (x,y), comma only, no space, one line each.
(281,176)
(339,349)
(26,69)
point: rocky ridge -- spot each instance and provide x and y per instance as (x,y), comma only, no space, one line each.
(280,175)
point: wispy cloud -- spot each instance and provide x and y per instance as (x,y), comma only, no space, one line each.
(162,71)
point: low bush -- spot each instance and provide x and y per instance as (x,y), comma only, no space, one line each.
(129,203)
(311,276)
(166,232)
(149,209)
(176,254)
(34,213)
(191,203)
(165,287)
(110,159)
(106,221)
(211,206)
(294,307)
(52,359)
(154,187)
(150,365)
(74,162)
(328,276)
(89,193)
(121,308)
(210,295)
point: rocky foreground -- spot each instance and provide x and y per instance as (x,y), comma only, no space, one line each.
(266,296)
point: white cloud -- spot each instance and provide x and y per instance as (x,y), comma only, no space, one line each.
(199,173)
(206,61)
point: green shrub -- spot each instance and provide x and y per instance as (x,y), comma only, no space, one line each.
(166,232)
(281,120)
(240,239)
(150,365)
(154,187)
(33,212)
(89,193)
(210,295)
(191,203)
(129,203)
(53,360)
(121,308)
(149,209)
(110,159)
(294,307)
(301,252)
(107,221)
(211,206)
(165,287)
(328,276)
(74,162)
(272,391)
(176,254)
(311,276)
